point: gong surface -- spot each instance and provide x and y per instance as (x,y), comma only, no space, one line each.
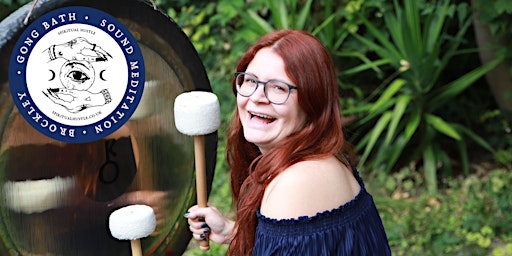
(56,197)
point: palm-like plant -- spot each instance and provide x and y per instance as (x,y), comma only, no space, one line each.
(264,16)
(285,15)
(405,121)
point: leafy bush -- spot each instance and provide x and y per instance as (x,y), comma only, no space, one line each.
(402,120)
(468,217)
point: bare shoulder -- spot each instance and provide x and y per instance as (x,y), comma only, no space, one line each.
(309,187)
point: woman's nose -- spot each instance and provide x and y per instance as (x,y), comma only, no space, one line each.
(259,94)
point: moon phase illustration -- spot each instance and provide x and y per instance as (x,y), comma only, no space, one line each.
(53,75)
(101,75)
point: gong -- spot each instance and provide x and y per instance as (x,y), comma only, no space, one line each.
(57,195)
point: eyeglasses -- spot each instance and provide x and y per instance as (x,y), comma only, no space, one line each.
(276,91)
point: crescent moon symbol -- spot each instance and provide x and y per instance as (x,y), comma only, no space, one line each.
(101,75)
(53,75)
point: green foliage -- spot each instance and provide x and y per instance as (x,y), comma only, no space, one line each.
(328,21)
(417,224)
(469,217)
(402,122)
(498,15)
(499,129)
(9,6)
(215,249)
(503,251)
(283,15)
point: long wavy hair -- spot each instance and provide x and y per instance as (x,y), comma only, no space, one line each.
(309,66)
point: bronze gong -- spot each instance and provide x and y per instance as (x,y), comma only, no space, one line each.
(56,196)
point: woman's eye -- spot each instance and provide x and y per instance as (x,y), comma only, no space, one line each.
(250,81)
(277,87)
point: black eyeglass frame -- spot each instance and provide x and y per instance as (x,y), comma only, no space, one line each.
(258,82)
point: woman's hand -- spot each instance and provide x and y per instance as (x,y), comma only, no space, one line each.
(209,222)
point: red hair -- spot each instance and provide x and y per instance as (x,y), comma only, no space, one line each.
(309,66)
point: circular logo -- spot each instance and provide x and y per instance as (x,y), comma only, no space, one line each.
(76,74)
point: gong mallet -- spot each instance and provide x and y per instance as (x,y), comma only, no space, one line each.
(196,114)
(132,223)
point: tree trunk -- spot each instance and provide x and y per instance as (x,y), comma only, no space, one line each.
(499,78)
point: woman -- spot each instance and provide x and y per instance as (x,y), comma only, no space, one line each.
(295,191)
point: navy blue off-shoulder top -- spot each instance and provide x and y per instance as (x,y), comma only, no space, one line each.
(354,228)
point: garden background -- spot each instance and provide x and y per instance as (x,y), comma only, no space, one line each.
(426,94)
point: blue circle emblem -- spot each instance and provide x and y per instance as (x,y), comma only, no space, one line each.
(76,74)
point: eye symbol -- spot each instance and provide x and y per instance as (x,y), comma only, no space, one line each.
(78,76)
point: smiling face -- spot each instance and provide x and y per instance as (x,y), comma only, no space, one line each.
(266,124)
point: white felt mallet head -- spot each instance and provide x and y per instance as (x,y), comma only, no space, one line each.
(132,223)
(36,196)
(197,113)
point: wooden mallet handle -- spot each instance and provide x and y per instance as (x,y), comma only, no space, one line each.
(136,248)
(196,114)
(201,185)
